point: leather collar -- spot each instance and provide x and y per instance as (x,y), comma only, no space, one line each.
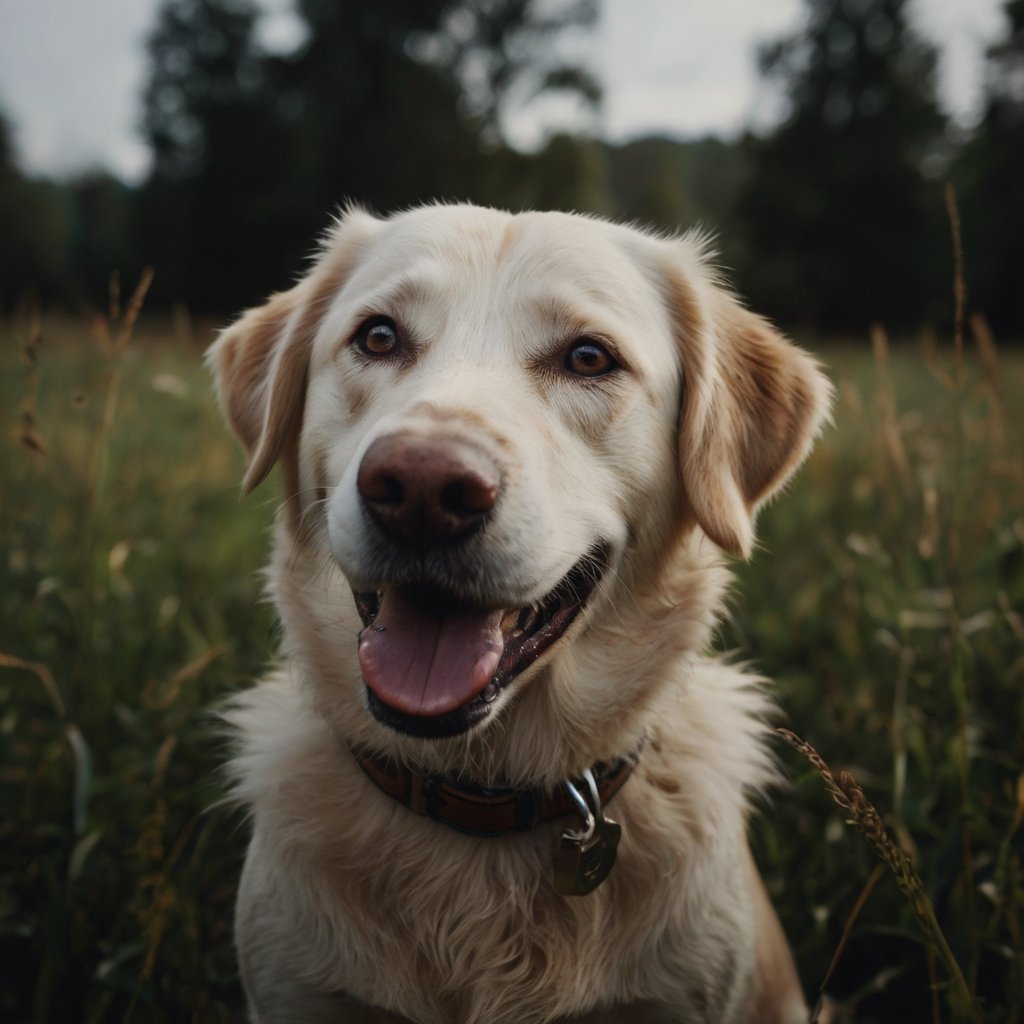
(484,810)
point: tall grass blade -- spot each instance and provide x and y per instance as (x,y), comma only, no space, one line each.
(863,816)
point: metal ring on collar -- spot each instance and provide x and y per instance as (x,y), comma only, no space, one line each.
(589,823)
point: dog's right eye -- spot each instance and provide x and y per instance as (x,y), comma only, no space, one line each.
(589,358)
(378,336)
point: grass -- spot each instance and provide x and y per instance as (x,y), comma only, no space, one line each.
(886,603)
(886,600)
(120,515)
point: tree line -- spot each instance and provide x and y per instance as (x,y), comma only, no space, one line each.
(829,221)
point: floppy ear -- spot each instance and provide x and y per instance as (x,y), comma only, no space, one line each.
(259,363)
(753,404)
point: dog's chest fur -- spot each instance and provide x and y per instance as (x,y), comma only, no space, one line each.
(404,912)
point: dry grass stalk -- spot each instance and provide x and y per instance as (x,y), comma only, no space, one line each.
(131,313)
(166,902)
(156,914)
(851,920)
(886,404)
(29,436)
(156,698)
(933,978)
(932,359)
(43,674)
(863,816)
(112,347)
(113,332)
(989,355)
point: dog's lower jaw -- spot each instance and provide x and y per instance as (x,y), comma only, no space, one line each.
(455,723)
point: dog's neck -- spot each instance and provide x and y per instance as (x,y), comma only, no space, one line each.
(486,811)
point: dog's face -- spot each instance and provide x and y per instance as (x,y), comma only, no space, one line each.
(499,427)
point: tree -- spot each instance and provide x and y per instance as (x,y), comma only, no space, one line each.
(209,214)
(34,238)
(842,223)
(991,175)
(505,53)
(397,101)
(101,214)
(386,102)
(674,185)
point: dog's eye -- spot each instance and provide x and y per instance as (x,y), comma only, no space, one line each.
(589,358)
(377,337)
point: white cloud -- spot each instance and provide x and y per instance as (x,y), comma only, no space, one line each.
(685,68)
(70,78)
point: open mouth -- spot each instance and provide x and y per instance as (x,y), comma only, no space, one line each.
(434,665)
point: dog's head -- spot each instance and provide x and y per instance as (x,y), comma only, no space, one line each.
(502,429)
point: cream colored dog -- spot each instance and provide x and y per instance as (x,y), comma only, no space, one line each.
(514,450)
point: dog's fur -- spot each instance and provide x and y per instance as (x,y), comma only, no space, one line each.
(347,898)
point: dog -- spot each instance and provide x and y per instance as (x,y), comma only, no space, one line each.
(496,777)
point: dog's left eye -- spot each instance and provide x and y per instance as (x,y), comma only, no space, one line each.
(378,336)
(589,358)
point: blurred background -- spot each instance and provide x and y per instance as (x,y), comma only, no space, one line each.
(862,165)
(212,139)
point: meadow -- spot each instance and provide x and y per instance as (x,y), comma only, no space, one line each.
(886,600)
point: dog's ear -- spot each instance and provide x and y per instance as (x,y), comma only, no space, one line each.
(752,405)
(259,363)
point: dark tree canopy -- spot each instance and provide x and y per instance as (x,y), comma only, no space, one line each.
(400,100)
(33,231)
(836,201)
(219,156)
(991,175)
(386,102)
(204,68)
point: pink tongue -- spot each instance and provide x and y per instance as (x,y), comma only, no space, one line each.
(429,660)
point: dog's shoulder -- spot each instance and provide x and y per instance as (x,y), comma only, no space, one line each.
(708,752)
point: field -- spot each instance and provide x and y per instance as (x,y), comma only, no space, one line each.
(886,600)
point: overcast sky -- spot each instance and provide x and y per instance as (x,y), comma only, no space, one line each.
(71,71)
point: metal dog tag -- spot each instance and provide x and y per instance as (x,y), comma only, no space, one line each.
(584,859)
(583,862)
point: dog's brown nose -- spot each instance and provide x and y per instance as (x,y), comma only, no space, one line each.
(426,493)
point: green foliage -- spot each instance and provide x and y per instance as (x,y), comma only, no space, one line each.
(836,208)
(675,185)
(116,867)
(33,238)
(990,170)
(886,603)
(386,103)
(100,224)
(213,217)
(203,69)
